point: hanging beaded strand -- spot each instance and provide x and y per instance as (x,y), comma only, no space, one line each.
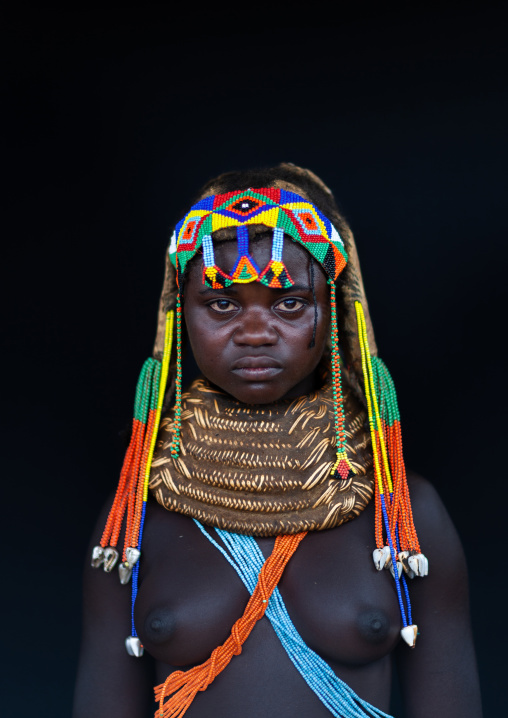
(151,431)
(390,419)
(176,694)
(275,274)
(133,644)
(246,269)
(175,444)
(342,465)
(213,276)
(132,491)
(395,515)
(106,553)
(245,556)
(389,441)
(136,474)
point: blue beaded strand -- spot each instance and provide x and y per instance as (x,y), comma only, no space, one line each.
(342,702)
(135,572)
(277,244)
(394,561)
(208,254)
(403,578)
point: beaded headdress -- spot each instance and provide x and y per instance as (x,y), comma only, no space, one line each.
(286,213)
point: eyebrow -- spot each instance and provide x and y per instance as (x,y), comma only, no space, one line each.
(222,290)
(231,290)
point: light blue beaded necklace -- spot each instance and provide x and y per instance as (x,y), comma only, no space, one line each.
(246,558)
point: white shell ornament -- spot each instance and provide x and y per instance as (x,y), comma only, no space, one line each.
(409,634)
(419,564)
(110,558)
(97,556)
(125,568)
(399,569)
(132,555)
(125,572)
(134,647)
(381,557)
(403,557)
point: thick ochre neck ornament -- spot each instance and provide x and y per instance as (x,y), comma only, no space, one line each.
(284,212)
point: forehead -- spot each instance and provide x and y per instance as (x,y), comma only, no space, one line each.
(296,259)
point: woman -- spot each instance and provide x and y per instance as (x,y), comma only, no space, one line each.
(290,433)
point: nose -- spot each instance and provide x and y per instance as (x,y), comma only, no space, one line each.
(255,328)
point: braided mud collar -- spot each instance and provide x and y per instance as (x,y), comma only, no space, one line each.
(263,470)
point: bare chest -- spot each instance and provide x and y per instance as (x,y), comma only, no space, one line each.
(189,595)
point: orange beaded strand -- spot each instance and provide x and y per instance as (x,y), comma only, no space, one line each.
(183,686)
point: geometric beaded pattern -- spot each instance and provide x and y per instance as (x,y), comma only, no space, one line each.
(275,274)
(275,208)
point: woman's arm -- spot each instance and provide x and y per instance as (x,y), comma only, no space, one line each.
(110,683)
(439,676)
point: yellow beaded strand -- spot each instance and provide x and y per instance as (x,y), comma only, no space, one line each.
(370,395)
(168,344)
(384,452)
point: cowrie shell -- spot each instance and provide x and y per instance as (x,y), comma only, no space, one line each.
(134,647)
(132,555)
(97,556)
(125,572)
(409,634)
(110,558)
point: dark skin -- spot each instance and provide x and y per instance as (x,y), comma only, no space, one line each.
(344,609)
(245,338)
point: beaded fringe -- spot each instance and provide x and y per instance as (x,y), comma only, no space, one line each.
(396,540)
(132,491)
(342,465)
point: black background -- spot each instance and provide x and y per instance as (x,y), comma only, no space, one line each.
(112,121)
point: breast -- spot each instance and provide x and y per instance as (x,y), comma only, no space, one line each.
(342,607)
(190,597)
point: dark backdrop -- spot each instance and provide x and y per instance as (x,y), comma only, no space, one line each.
(112,122)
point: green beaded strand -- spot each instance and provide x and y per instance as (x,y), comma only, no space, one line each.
(338,407)
(175,444)
(385,391)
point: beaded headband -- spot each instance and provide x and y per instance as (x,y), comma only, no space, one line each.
(285,212)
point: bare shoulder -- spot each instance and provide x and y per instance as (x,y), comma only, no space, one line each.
(426,501)
(438,536)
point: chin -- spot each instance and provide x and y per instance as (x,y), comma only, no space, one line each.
(255,393)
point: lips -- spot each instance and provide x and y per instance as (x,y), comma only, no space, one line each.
(256,368)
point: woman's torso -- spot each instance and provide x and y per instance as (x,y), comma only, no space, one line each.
(345,611)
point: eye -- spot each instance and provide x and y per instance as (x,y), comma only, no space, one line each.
(222,306)
(290,305)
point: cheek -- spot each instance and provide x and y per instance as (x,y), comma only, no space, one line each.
(323,325)
(206,342)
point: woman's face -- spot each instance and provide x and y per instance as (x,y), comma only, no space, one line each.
(252,341)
